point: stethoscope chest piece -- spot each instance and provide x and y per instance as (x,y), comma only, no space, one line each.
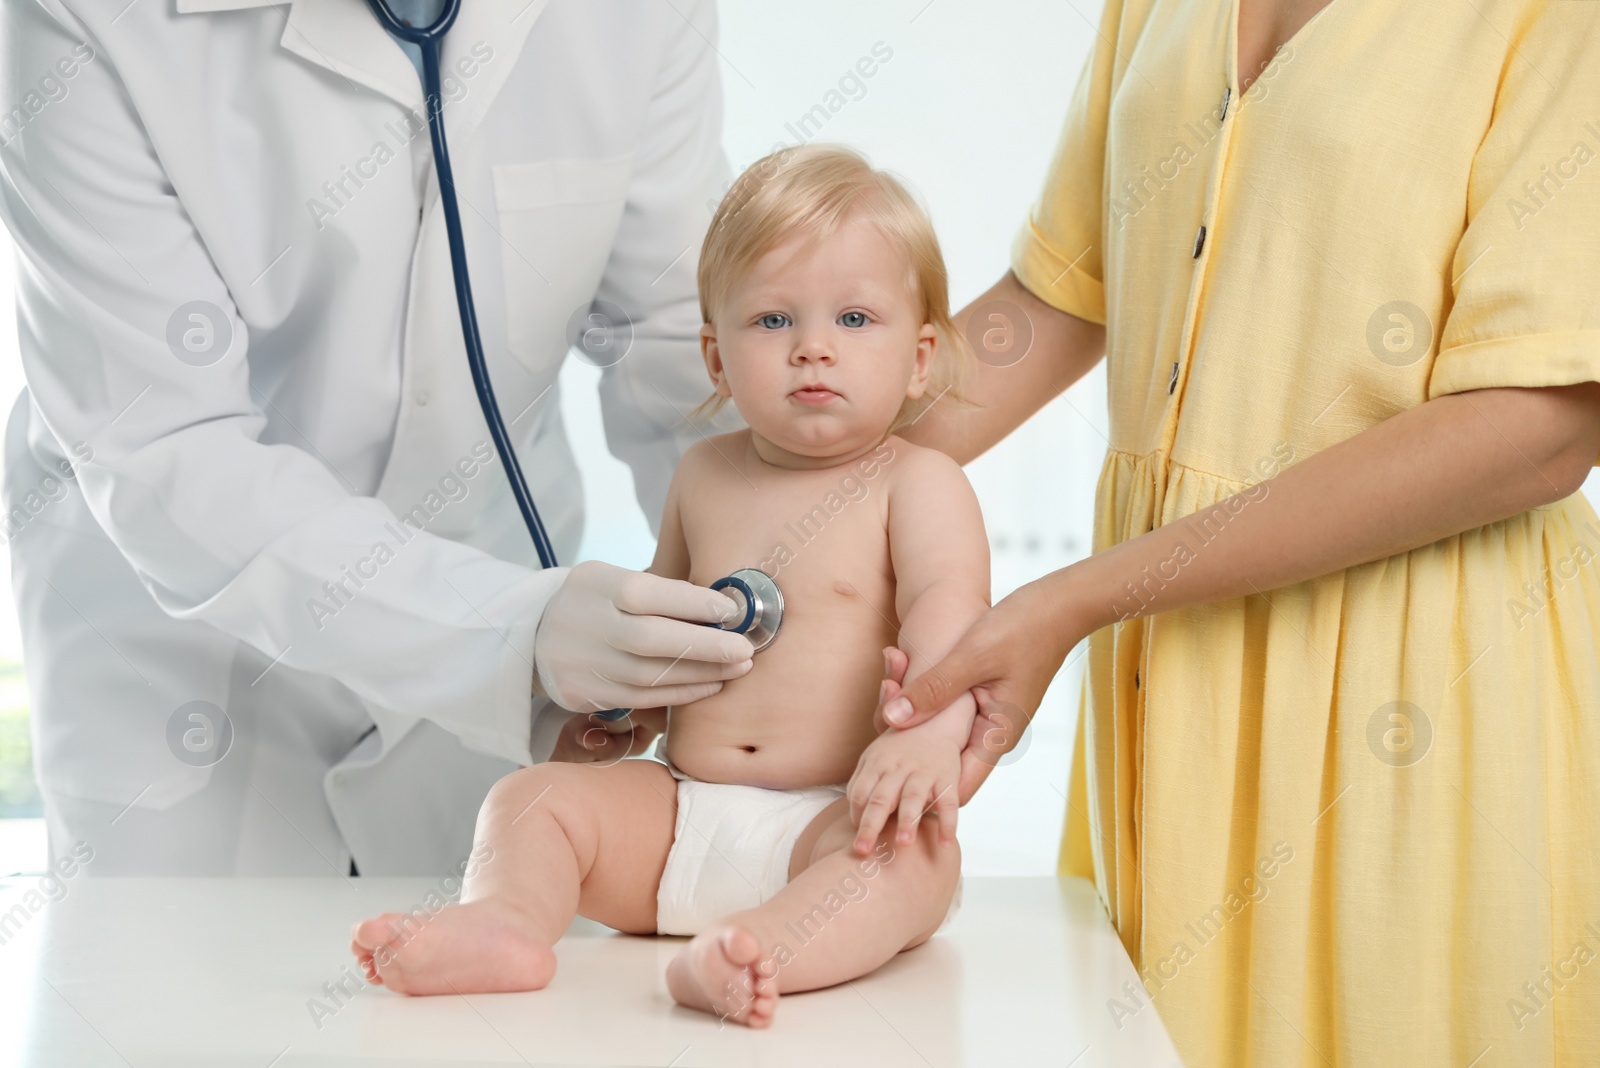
(762,601)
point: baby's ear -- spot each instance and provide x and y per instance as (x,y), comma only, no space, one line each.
(712,355)
(927,352)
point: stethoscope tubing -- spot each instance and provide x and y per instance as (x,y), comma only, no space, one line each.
(430,39)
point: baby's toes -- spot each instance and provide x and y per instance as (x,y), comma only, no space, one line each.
(372,933)
(763,1005)
(364,959)
(759,993)
(370,942)
(739,945)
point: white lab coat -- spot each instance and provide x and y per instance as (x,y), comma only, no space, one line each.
(210,509)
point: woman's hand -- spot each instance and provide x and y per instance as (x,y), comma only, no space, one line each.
(990,739)
(1007,659)
(587,739)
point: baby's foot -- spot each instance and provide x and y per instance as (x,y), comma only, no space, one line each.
(718,973)
(478,948)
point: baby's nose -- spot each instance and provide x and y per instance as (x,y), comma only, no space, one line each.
(814,348)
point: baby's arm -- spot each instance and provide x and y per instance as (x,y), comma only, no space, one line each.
(940,554)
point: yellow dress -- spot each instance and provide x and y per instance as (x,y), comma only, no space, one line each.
(1355,820)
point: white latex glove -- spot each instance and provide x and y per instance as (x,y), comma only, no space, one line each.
(615,638)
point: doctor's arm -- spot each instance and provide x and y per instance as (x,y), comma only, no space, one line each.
(259,538)
(222,526)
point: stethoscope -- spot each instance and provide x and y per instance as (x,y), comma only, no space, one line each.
(763,601)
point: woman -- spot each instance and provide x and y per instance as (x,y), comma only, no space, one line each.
(1336,766)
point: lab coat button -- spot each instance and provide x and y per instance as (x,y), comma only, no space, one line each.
(1199,242)
(1172,381)
(422,398)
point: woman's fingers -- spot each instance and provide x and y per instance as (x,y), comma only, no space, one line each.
(974,770)
(888,690)
(895,663)
(935,688)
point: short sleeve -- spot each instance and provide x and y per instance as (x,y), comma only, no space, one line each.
(1057,253)
(1526,275)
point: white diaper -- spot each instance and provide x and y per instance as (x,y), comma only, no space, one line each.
(731,849)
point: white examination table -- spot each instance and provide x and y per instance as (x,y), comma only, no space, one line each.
(173,973)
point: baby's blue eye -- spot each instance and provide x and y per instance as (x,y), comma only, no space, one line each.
(774,320)
(853,318)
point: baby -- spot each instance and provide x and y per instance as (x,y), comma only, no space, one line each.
(782,830)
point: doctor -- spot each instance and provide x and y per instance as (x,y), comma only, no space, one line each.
(280,614)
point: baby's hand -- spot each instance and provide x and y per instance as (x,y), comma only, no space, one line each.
(915,770)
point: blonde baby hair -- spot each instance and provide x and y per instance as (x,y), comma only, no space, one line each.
(812,189)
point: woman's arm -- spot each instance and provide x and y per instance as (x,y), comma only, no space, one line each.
(1451,464)
(1063,349)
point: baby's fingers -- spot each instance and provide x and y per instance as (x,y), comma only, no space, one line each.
(948,804)
(859,790)
(874,816)
(913,803)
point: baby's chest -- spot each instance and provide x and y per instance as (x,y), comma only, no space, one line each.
(819,542)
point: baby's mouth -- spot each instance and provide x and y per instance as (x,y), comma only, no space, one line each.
(814,394)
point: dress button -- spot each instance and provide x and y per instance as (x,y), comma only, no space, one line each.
(1199,241)
(1172,380)
(422,398)
(1227,91)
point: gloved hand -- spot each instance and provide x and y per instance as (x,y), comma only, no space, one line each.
(615,638)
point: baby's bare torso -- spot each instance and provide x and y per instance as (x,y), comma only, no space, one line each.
(803,713)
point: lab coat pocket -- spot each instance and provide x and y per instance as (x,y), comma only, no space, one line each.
(557,219)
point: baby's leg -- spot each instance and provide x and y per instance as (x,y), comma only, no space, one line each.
(840,917)
(552,839)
